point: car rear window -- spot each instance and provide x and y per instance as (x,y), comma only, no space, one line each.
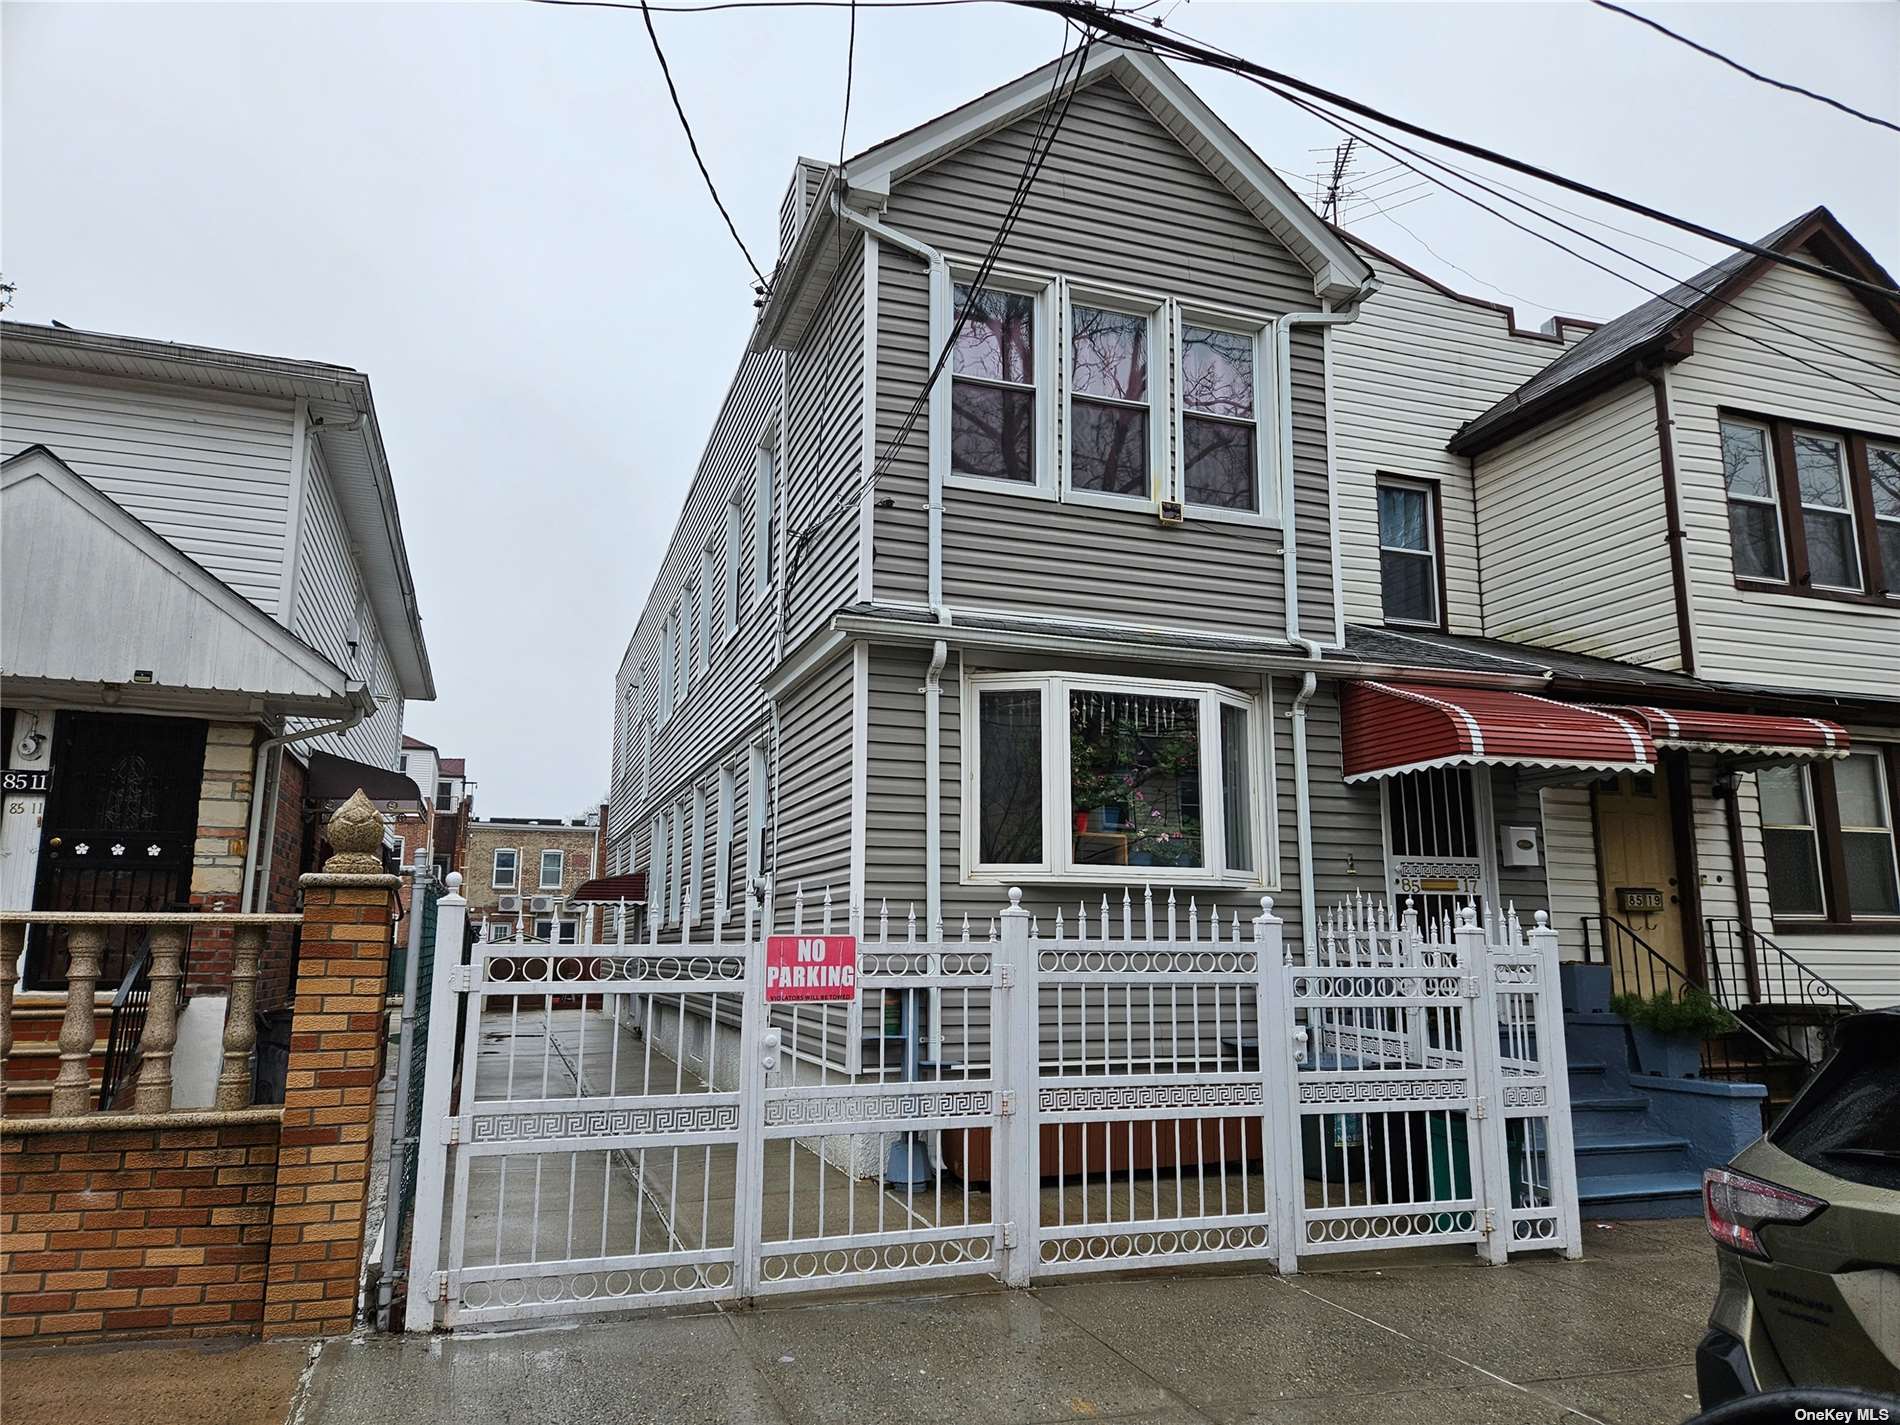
(1847,1121)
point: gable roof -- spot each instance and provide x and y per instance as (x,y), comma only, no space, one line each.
(1657,330)
(92,598)
(1339,273)
(344,425)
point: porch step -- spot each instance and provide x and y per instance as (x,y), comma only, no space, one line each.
(1609,1115)
(1615,1156)
(1634,1195)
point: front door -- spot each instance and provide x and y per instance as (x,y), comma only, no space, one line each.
(1636,850)
(121,819)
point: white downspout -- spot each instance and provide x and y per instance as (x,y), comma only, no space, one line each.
(1290,572)
(362,705)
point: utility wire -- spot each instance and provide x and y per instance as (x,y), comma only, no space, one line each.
(1349,127)
(646,13)
(1068,71)
(1108,23)
(1741,68)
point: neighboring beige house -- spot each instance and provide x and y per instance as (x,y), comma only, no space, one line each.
(521,874)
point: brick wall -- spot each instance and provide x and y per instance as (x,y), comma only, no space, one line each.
(530,841)
(156,1226)
(336,1052)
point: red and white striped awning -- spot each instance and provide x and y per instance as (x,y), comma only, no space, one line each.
(1408,727)
(1748,734)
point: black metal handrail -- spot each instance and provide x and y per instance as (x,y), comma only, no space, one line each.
(1638,968)
(1770,975)
(127,1026)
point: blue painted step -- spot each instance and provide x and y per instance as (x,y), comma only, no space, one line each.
(1627,1195)
(1637,1153)
(1609,1114)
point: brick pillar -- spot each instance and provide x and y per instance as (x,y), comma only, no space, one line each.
(336,1049)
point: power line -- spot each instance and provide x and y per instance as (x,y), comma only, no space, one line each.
(1041,144)
(666,71)
(1347,126)
(1753,74)
(1107,22)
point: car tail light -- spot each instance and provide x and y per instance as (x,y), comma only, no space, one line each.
(1736,1207)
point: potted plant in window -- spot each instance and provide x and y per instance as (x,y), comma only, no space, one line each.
(1668,1030)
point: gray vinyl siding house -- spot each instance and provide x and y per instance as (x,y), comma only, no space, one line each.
(877,622)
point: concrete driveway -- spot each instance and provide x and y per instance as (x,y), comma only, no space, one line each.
(1436,1339)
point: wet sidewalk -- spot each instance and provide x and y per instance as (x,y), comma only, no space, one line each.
(1441,1338)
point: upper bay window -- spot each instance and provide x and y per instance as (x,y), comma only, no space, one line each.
(1110,423)
(1098,396)
(1220,434)
(1814,510)
(993,386)
(1080,778)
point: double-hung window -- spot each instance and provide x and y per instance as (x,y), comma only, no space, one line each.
(1754,513)
(764,486)
(712,598)
(722,850)
(1071,777)
(1408,553)
(993,431)
(1816,511)
(1827,510)
(1220,429)
(506,870)
(1829,837)
(553,869)
(1883,478)
(445,796)
(1110,438)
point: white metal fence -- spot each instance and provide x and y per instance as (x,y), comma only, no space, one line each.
(632,1125)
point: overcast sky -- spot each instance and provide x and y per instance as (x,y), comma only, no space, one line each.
(490,209)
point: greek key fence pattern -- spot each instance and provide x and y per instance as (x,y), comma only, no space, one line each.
(616,1126)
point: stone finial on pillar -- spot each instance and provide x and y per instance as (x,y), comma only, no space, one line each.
(356,834)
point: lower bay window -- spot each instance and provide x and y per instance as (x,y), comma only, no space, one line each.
(1828,837)
(1074,777)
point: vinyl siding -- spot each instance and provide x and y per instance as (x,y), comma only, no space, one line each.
(895,792)
(1573,530)
(723,710)
(1764,637)
(1570,860)
(211,473)
(1121,204)
(332,608)
(1416,366)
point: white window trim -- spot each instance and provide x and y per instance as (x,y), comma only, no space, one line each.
(1846,508)
(1772,500)
(1160,401)
(1042,287)
(402,850)
(1057,864)
(696,857)
(756,794)
(764,493)
(542,883)
(712,634)
(1431,492)
(722,851)
(730,585)
(1265,411)
(513,883)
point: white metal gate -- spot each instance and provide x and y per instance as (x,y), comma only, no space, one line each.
(636,1127)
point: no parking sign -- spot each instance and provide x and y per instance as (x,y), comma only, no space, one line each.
(811,967)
